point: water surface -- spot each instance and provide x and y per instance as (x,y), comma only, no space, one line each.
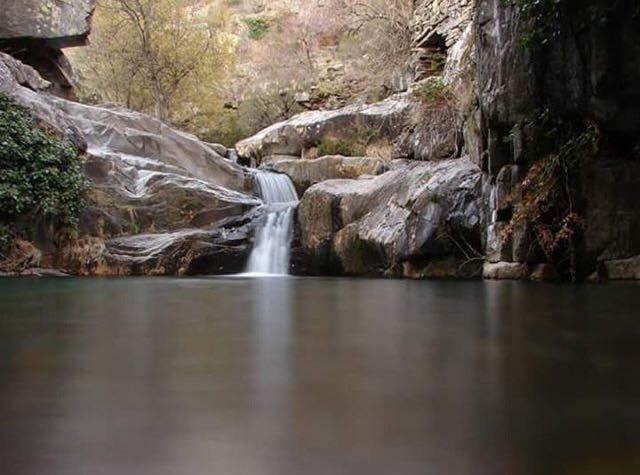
(312,376)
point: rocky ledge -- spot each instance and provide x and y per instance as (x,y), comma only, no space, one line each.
(159,202)
(420,219)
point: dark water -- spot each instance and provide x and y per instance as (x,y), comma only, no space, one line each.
(306,377)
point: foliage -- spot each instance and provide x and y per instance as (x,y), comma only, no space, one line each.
(432,90)
(40,174)
(543,17)
(168,57)
(384,30)
(340,147)
(539,15)
(258,27)
(545,201)
(355,146)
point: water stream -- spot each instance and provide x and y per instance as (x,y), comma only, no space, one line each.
(271,253)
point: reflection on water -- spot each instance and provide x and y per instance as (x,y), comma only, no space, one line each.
(313,376)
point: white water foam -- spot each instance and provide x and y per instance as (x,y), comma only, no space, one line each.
(272,249)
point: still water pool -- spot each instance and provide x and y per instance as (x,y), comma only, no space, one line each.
(318,376)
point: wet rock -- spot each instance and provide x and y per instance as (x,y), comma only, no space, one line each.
(41,273)
(450,267)
(305,173)
(417,210)
(306,130)
(505,271)
(222,249)
(573,75)
(160,201)
(623,269)
(545,273)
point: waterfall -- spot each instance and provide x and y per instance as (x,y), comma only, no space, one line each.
(272,247)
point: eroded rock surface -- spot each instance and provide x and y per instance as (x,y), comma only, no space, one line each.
(36,31)
(415,213)
(305,173)
(307,130)
(67,22)
(160,201)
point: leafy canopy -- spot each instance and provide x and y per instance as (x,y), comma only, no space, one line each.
(166,57)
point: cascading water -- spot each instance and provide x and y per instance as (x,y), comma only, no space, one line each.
(270,255)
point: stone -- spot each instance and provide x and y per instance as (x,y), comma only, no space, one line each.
(302,98)
(40,273)
(64,24)
(433,131)
(545,273)
(449,267)
(623,269)
(505,271)
(305,173)
(574,76)
(414,211)
(36,31)
(308,129)
(159,201)
(439,27)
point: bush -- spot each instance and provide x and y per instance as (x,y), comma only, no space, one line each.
(432,90)
(258,27)
(40,174)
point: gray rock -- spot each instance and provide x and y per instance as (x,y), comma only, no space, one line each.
(165,191)
(63,23)
(305,173)
(506,271)
(306,130)
(623,269)
(417,210)
(36,31)
(40,273)
(545,273)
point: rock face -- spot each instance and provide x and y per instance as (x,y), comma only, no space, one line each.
(398,223)
(623,269)
(587,70)
(305,173)
(505,271)
(68,23)
(36,31)
(160,201)
(438,26)
(303,132)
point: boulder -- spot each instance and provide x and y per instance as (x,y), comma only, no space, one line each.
(415,212)
(42,273)
(623,269)
(305,173)
(545,273)
(506,271)
(36,31)
(351,124)
(156,195)
(61,24)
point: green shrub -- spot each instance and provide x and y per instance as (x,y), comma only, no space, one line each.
(432,90)
(347,148)
(40,174)
(258,27)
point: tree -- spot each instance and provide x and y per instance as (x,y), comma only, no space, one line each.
(161,56)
